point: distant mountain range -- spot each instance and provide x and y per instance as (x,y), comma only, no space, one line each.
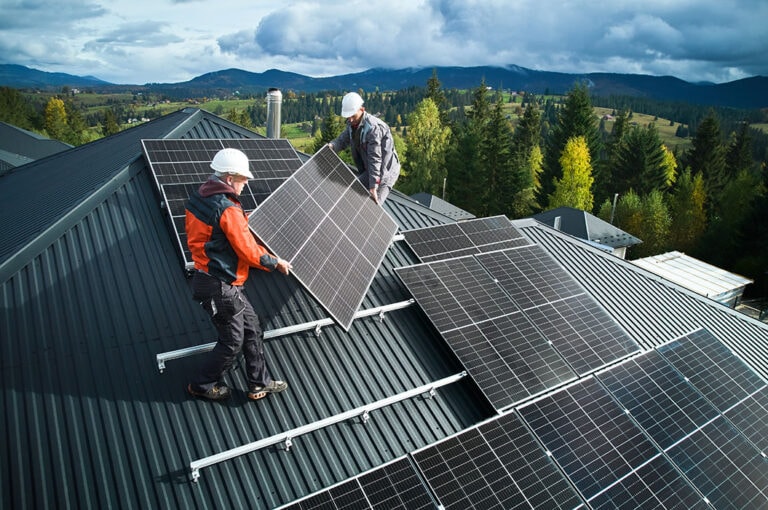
(749,93)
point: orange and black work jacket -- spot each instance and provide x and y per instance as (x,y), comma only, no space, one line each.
(218,234)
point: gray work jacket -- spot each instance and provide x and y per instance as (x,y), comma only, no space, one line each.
(374,156)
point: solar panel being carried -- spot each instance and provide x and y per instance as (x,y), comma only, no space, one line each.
(180,166)
(324,222)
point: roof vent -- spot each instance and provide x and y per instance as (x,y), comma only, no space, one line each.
(557,222)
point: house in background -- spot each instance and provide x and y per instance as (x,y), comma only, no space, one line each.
(705,279)
(592,229)
(19,147)
(93,289)
(441,206)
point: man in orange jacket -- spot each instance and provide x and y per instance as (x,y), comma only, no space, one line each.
(223,250)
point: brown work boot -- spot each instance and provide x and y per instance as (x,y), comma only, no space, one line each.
(217,392)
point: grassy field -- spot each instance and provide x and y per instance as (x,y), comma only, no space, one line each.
(666,129)
(303,140)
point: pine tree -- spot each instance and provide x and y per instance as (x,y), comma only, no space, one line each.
(467,182)
(497,159)
(575,187)
(435,93)
(707,155)
(689,219)
(332,127)
(641,162)
(739,153)
(110,125)
(606,184)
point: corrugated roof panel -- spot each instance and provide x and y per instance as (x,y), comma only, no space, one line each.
(651,309)
(693,274)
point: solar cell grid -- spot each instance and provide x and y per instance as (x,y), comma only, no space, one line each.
(712,369)
(537,477)
(396,486)
(749,417)
(530,275)
(463,238)
(464,473)
(323,221)
(455,292)
(582,332)
(726,468)
(589,435)
(655,485)
(180,166)
(658,397)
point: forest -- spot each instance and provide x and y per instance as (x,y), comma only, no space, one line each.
(496,152)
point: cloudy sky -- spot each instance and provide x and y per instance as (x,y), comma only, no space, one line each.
(140,41)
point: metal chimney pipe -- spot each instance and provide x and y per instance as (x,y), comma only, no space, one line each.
(274,103)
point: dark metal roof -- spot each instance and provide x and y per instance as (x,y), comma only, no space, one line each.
(586,226)
(653,310)
(441,206)
(19,146)
(93,288)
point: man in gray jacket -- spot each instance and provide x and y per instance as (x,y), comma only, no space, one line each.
(372,146)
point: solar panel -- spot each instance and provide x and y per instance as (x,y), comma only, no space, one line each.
(659,398)
(324,222)
(657,484)
(584,334)
(463,238)
(509,359)
(181,166)
(750,417)
(394,486)
(530,275)
(712,369)
(724,466)
(455,292)
(496,466)
(591,438)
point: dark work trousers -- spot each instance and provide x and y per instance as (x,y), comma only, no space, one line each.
(238,327)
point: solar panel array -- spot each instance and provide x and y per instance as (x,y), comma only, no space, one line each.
(324,222)
(518,322)
(180,166)
(642,434)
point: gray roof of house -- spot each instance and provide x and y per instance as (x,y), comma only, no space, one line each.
(92,288)
(19,146)
(586,226)
(694,274)
(441,206)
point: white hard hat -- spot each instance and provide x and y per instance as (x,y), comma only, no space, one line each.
(350,103)
(231,161)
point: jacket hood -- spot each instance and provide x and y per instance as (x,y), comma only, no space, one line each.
(215,186)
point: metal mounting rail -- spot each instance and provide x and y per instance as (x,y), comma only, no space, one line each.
(273,333)
(287,437)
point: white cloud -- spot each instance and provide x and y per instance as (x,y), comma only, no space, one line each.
(137,41)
